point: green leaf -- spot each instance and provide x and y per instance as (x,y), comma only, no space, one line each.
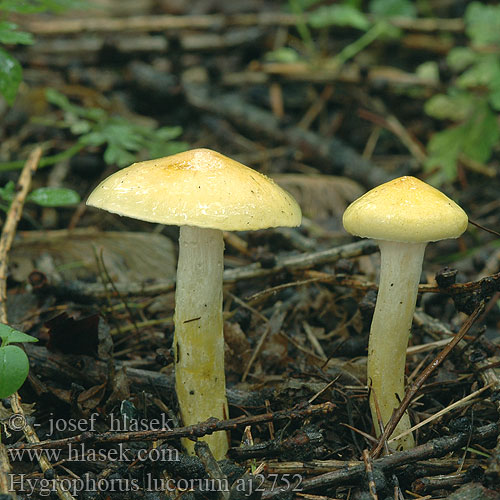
(450,107)
(482,135)
(485,72)
(357,4)
(391,8)
(11,75)
(474,138)
(14,368)
(168,133)
(73,111)
(460,58)
(56,98)
(7,192)
(61,5)
(124,134)
(429,71)
(9,335)
(21,6)
(482,23)
(495,99)
(338,15)
(123,138)
(282,55)
(94,139)
(80,127)
(160,148)
(387,31)
(305,4)
(117,155)
(35,6)
(444,148)
(53,197)
(9,35)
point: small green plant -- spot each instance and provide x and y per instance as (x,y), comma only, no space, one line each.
(122,138)
(11,73)
(472,103)
(346,14)
(14,364)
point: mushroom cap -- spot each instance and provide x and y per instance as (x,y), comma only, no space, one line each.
(197,188)
(406,210)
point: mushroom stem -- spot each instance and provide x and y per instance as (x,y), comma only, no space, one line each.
(199,339)
(401,267)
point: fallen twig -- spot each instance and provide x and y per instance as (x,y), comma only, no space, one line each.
(434,448)
(33,438)
(83,292)
(9,228)
(8,232)
(213,21)
(192,431)
(6,239)
(369,474)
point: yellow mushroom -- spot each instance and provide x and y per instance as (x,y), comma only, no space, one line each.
(403,215)
(205,193)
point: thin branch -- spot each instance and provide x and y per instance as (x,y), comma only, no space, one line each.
(210,22)
(9,228)
(434,448)
(33,438)
(6,239)
(192,431)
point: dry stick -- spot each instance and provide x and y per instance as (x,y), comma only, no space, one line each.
(369,473)
(9,228)
(256,351)
(32,437)
(488,284)
(213,21)
(5,471)
(192,431)
(485,368)
(353,475)
(8,232)
(391,123)
(102,266)
(301,72)
(442,412)
(273,326)
(211,466)
(83,291)
(483,228)
(419,381)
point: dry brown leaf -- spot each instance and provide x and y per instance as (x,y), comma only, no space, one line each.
(62,255)
(89,399)
(322,198)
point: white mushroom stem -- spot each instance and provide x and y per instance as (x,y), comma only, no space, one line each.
(401,267)
(199,340)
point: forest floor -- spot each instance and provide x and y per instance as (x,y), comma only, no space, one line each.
(327,103)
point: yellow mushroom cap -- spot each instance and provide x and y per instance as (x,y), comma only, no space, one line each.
(197,188)
(406,210)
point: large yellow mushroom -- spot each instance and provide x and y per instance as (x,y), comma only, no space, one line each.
(205,193)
